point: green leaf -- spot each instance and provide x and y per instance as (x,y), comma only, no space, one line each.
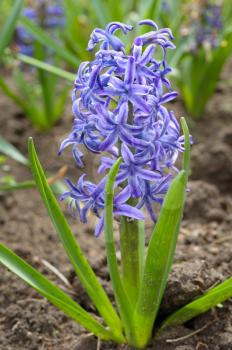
(46,40)
(34,111)
(196,69)
(53,102)
(57,187)
(133,6)
(73,250)
(116,10)
(11,94)
(10,151)
(74,12)
(47,67)
(161,250)
(153,9)
(50,291)
(159,258)
(48,89)
(17,186)
(8,29)
(227,12)
(60,102)
(132,255)
(121,297)
(211,299)
(141,225)
(101,13)
(187,146)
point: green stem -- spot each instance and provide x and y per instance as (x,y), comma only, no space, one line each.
(132,256)
(132,246)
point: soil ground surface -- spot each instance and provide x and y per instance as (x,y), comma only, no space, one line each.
(203,256)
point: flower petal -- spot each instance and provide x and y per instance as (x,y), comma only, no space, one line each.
(127,154)
(99,227)
(131,212)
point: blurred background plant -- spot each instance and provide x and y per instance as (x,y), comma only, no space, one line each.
(46,40)
(8,181)
(40,94)
(204,43)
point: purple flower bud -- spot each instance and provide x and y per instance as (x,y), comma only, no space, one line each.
(108,38)
(30,13)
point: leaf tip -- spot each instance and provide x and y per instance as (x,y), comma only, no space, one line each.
(30,141)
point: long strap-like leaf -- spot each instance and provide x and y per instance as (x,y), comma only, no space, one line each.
(13,96)
(101,11)
(187,146)
(9,150)
(73,250)
(17,186)
(159,258)
(211,299)
(161,251)
(122,300)
(152,9)
(46,40)
(50,291)
(8,29)
(47,67)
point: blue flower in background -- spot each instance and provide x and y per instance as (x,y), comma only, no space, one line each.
(119,106)
(54,16)
(47,16)
(206,26)
(213,16)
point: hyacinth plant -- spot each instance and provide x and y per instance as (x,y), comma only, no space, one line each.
(44,103)
(119,108)
(203,35)
(206,36)
(49,16)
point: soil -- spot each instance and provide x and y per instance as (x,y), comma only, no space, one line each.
(203,256)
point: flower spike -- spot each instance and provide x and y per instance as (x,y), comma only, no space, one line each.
(119,107)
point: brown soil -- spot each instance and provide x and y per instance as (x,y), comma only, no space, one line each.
(203,256)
